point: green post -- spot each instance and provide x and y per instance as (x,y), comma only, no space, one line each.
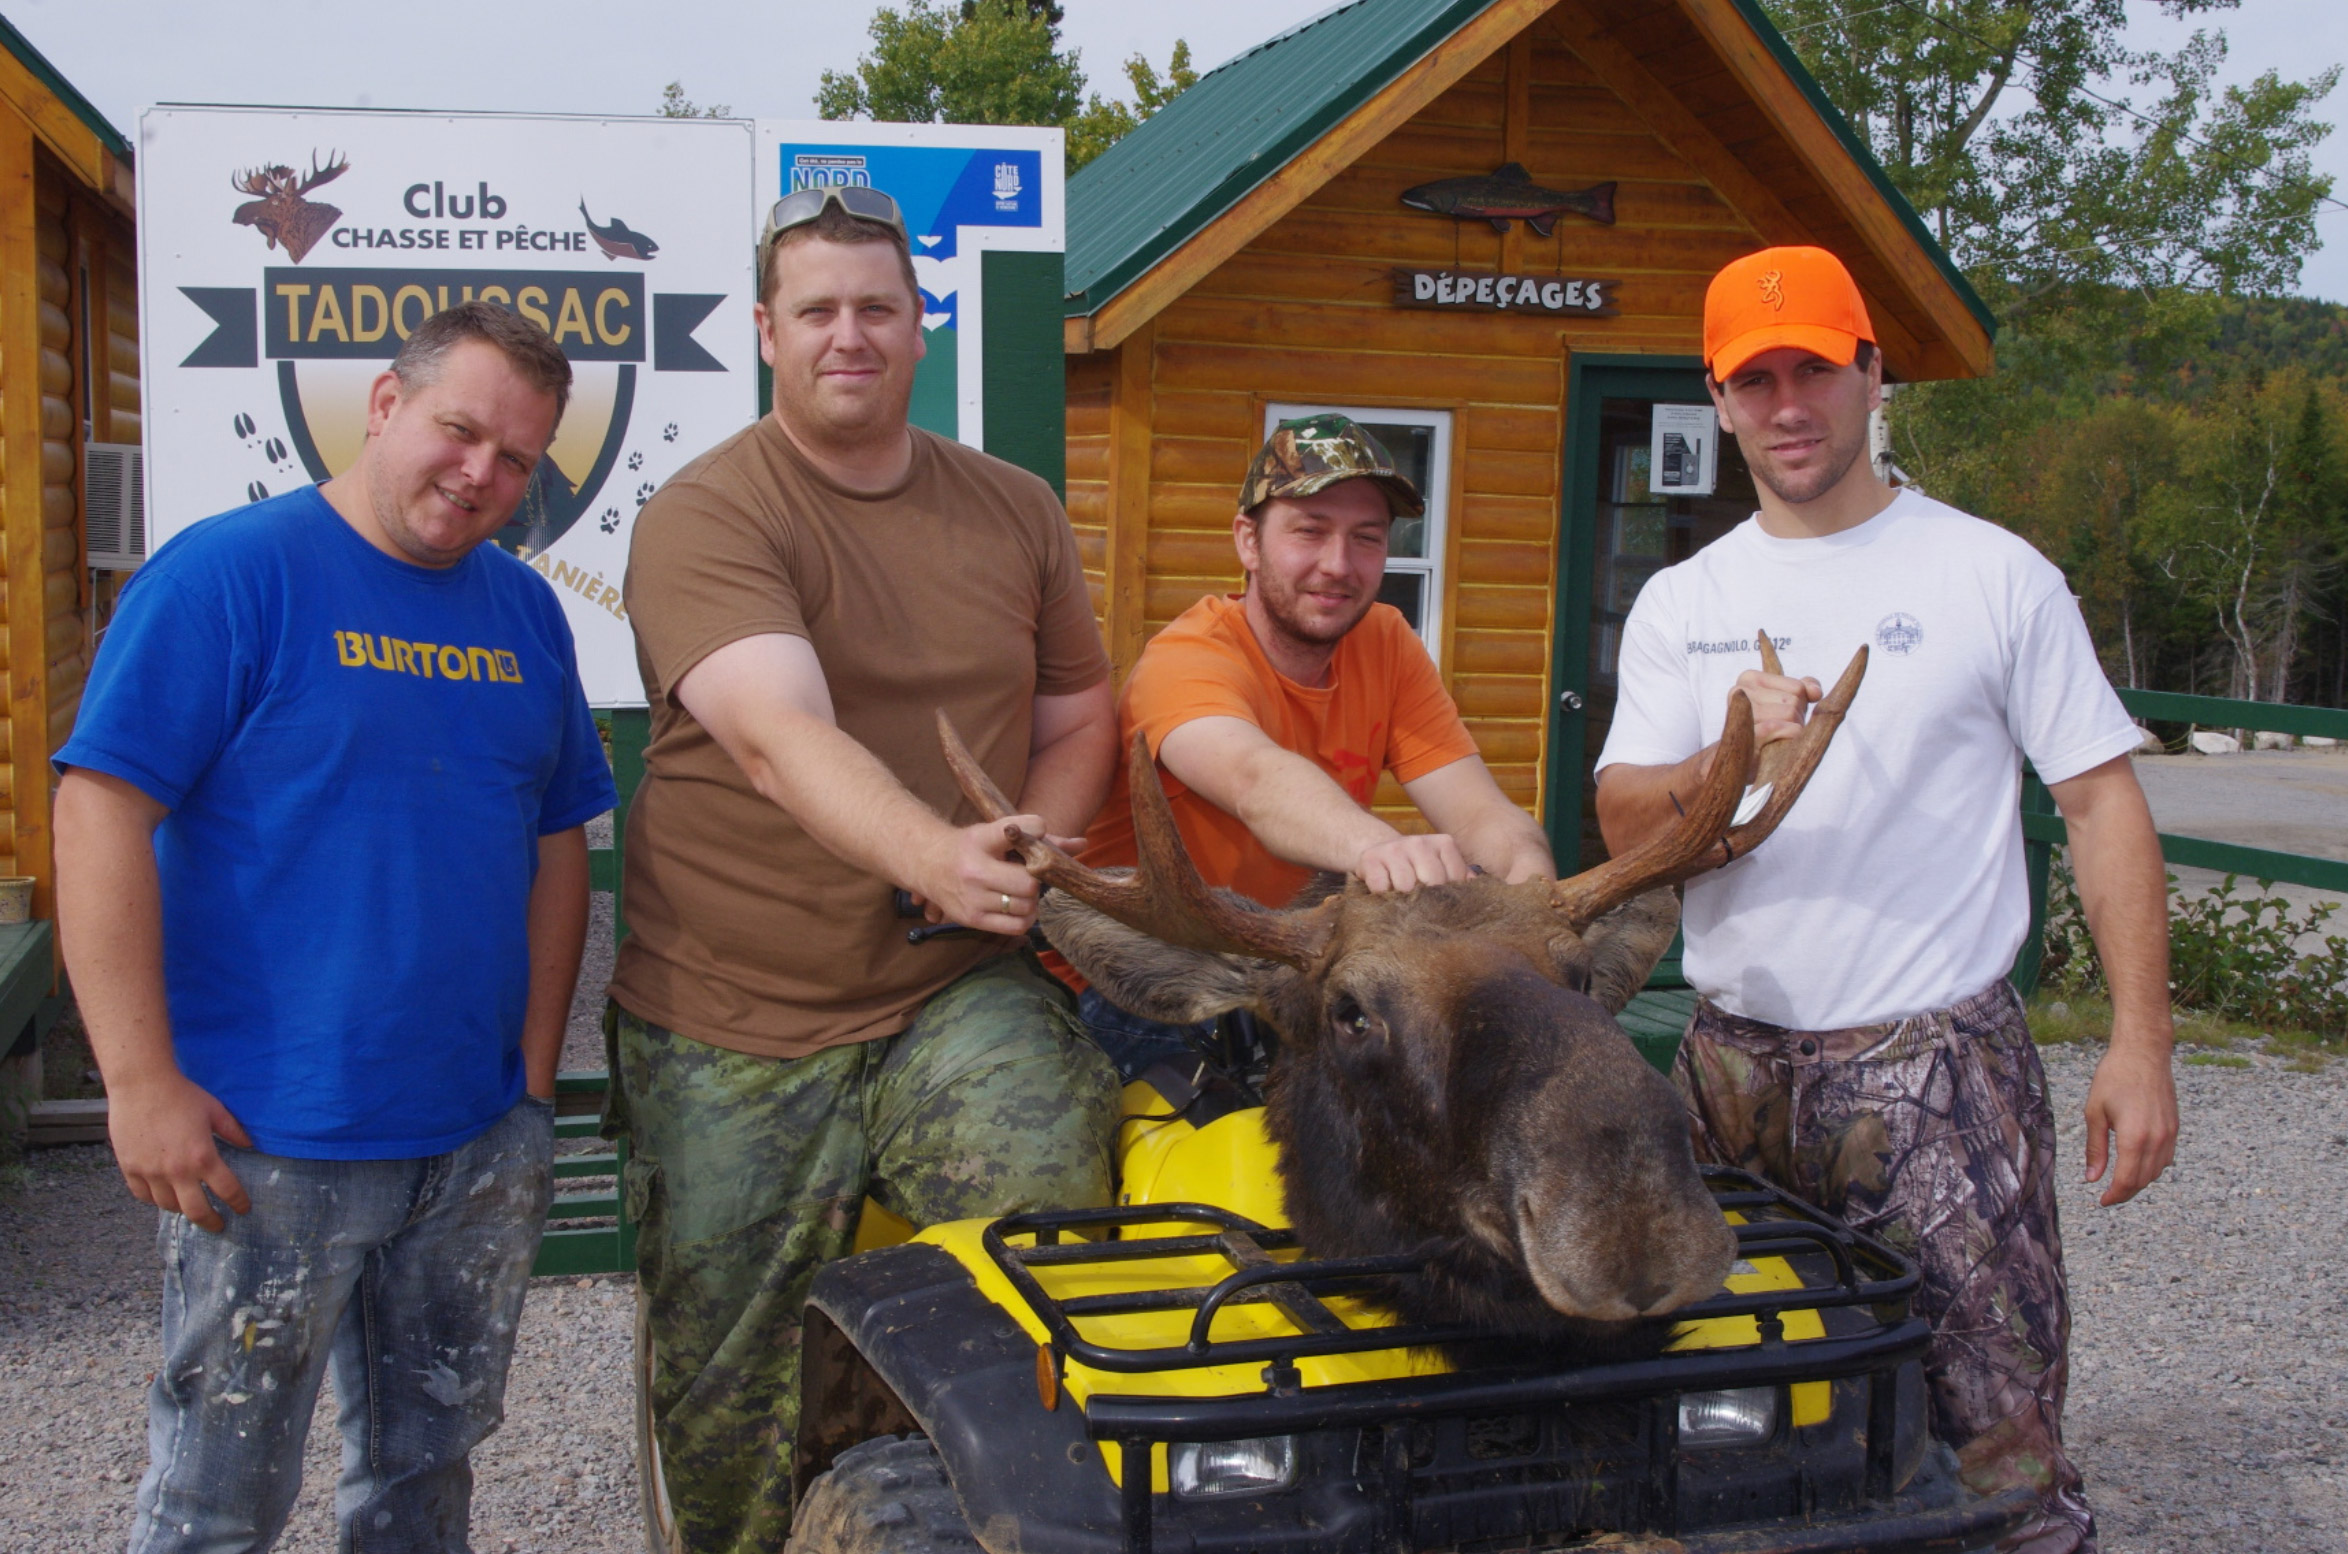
(631,730)
(2038,866)
(1026,372)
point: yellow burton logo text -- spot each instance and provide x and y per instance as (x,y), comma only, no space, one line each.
(368,650)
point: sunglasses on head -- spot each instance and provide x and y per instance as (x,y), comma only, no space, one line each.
(801,206)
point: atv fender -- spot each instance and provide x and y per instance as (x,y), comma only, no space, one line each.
(901,1339)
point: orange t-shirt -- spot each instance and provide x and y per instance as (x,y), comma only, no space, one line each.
(1384,709)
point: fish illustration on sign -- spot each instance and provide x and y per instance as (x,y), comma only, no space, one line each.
(1509,194)
(281,215)
(617,239)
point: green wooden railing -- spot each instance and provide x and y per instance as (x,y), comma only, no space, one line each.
(2043,829)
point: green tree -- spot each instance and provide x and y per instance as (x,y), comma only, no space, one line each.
(2045,153)
(2080,496)
(2246,530)
(674,104)
(1104,122)
(991,62)
(1050,12)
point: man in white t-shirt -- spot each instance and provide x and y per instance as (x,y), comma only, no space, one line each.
(1857,1040)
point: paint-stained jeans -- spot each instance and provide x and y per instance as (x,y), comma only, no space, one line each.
(408,1277)
(746,1174)
(1933,1133)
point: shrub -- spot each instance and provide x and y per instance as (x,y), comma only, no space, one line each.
(2232,952)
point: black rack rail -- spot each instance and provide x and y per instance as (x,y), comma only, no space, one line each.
(1864,1273)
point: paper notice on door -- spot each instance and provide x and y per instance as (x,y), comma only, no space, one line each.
(1684,455)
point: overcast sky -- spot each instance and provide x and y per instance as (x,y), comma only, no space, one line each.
(613,56)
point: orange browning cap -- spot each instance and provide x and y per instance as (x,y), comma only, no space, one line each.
(1799,297)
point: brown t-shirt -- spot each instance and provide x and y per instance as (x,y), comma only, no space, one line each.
(959,589)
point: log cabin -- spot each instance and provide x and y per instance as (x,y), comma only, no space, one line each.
(1577,169)
(69,427)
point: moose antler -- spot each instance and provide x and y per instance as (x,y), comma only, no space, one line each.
(257,180)
(1786,764)
(1165,898)
(338,164)
(1704,837)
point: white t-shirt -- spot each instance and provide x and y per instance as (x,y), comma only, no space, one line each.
(1895,885)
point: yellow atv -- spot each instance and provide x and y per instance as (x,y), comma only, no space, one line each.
(1176,1373)
(1173,1373)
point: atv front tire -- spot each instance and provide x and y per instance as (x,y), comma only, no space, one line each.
(888,1495)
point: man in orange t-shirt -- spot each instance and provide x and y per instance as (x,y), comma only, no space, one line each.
(1273,713)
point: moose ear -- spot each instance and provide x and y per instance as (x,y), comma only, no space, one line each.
(1149,977)
(1626,943)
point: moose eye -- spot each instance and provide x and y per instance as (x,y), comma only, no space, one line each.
(1351,1018)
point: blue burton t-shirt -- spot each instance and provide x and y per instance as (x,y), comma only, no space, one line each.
(359,756)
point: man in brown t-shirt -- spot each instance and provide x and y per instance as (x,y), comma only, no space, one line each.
(806,596)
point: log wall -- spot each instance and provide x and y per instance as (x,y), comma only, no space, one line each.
(68,375)
(1304,313)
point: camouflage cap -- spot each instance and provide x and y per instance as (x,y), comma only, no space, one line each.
(1315,452)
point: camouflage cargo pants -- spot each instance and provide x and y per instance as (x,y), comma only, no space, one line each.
(746,1174)
(1933,1133)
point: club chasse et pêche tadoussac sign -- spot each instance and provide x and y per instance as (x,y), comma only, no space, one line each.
(1559,295)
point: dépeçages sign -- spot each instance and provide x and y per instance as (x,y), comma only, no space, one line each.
(1559,295)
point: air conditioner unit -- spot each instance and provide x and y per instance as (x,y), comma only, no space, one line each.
(114,496)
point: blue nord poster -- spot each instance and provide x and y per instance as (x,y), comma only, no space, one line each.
(966,190)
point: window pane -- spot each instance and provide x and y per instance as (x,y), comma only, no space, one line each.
(1630,473)
(1407,592)
(1413,451)
(1640,530)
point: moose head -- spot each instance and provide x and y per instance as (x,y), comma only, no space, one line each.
(281,215)
(1451,1081)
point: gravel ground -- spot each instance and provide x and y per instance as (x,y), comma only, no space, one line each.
(2209,1406)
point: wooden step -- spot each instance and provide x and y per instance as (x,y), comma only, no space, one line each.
(49,1124)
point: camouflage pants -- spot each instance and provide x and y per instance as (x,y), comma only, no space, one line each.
(746,1174)
(1933,1133)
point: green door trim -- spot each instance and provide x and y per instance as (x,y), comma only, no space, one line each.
(1589,380)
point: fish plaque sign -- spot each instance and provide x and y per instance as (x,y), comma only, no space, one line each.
(1462,290)
(1509,194)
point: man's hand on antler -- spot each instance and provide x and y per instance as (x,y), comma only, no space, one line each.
(1781,705)
(977,879)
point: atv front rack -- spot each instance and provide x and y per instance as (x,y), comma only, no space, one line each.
(1838,1269)
(1863,1273)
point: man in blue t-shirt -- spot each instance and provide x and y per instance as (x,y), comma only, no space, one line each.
(322,883)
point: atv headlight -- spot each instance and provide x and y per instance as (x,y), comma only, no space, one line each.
(1746,1416)
(1202,1470)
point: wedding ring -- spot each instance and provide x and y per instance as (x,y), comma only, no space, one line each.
(1006,904)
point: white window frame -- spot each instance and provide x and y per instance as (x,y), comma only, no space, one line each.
(1437,496)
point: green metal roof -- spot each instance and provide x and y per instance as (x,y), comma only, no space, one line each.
(62,90)
(1201,154)
(1243,121)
